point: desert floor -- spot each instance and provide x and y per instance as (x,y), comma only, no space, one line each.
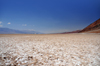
(50,50)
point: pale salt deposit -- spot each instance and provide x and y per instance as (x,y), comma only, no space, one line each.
(50,50)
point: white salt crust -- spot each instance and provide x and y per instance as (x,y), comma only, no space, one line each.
(50,50)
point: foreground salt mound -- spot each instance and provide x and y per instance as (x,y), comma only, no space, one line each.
(50,50)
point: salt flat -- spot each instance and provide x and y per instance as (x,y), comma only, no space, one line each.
(50,50)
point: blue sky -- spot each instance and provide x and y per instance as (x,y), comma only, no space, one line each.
(48,16)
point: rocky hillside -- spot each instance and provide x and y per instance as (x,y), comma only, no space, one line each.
(93,28)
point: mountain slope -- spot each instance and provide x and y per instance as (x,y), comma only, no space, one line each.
(93,28)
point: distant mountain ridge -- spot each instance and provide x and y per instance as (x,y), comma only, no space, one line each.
(13,31)
(76,31)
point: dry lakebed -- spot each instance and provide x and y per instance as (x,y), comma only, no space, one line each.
(50,49)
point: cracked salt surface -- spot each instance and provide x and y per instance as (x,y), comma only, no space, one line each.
(50,50)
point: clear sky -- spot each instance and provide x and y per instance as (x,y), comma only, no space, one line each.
(48,16)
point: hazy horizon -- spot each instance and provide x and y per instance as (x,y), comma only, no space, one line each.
(53,16)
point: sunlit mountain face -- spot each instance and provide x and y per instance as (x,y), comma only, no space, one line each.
(93,27)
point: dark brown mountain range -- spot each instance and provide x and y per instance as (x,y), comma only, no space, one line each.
(93,28)
(77,31)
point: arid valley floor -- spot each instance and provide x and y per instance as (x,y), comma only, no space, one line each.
(50,50)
